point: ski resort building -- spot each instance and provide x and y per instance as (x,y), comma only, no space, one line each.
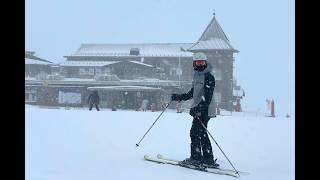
(35,65)
(156,69)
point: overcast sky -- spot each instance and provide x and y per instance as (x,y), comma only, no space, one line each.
(262,30)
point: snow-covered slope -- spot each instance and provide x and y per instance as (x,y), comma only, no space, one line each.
(90,145)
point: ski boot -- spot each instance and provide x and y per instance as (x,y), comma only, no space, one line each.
(190,162)
(210,164)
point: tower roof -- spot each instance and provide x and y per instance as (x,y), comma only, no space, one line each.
(213,38)
(213,30)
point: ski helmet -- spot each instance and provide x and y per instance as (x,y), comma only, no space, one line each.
(199,61)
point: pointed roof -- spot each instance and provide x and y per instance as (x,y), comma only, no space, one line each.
(213,38)
(213,30)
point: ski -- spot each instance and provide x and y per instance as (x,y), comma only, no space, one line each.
(176,163)
(159,156)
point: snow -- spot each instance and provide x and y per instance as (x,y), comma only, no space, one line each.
(125,88)
(145,49)
(80,144)
(65,79)
(213,43)
(137,62)
(34,61)
(87,63)
(78,79)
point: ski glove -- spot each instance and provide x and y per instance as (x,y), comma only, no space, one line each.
(176,97)
(195,111)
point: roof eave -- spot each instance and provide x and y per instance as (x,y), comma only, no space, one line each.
(194,50)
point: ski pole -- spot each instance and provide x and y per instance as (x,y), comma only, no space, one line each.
(153,124)
(237,172)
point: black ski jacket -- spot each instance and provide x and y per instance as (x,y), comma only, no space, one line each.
(94,98)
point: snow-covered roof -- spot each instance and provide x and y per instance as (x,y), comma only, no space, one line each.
(30,55)
(137,62)
(97,63)
(64,86)
(92,82)
(78,79)
(30,52)
(213,43)
(145,50)
(213,38)
(34,61)
(213,30)
(87,63)
(122,88)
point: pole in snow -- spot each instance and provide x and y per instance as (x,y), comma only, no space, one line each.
(237,172)
(137,145)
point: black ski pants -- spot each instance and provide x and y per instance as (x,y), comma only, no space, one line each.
(201,148)
(96,105)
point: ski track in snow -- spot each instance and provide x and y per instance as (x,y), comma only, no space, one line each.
(86,145)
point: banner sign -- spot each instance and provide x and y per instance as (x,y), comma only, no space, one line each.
(69,96)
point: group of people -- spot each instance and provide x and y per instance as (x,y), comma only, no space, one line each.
(201,110)
(94,100)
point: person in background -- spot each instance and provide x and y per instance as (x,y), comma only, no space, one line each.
(94,99)
(144,104)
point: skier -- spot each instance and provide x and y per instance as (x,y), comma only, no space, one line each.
(144,104)
(202,109)
(94,99)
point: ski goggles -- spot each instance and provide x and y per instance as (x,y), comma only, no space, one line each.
(200,62)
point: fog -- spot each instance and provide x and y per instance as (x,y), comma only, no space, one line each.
(263,31)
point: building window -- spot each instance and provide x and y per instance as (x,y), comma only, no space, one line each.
(82,71)
(91,71)
(86,71)
(217,97)
(107,70)
(217,73)
(98,71)
(134,51)
(30,96)
(173,71)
